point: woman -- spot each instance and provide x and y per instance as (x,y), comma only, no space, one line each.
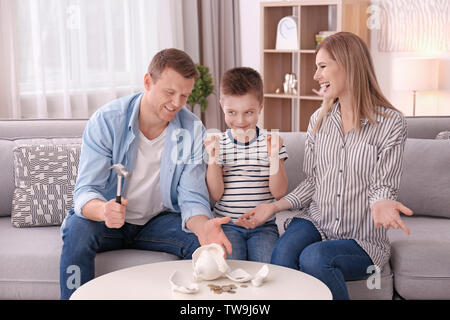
(353,163)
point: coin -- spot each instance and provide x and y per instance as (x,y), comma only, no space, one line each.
(213,286)
(230,288)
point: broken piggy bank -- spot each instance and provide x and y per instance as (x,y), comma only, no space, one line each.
(209,262)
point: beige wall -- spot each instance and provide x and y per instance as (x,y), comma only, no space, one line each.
(427,102)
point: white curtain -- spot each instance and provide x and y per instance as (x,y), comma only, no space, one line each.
(66,58)
(220,49)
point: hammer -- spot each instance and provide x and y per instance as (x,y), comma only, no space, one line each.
(121,172)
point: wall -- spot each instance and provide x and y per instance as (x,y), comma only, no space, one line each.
(250,42)
(427,103)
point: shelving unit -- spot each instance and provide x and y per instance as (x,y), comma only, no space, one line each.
(287,112)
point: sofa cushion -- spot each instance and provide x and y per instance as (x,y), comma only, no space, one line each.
(45,178)
(295,148)
(6,177)
(373,288)
(421,261)
(29,267)
(7,170)
(425,186)
(427,127)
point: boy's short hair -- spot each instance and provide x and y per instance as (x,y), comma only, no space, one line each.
(240,81)
(175,59)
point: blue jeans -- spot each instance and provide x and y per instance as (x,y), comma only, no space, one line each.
(84,238)
(251,244)
(332,261)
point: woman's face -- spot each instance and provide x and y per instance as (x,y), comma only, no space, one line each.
(330,75)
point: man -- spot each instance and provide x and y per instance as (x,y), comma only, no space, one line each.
(165,205)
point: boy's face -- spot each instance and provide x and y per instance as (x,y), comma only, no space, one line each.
(241,112)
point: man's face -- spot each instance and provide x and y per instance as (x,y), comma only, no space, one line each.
(167,95)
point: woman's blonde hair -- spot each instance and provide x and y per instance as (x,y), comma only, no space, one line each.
(351,53)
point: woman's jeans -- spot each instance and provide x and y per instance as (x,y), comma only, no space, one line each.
(332,261)
(251,244)
(84,238)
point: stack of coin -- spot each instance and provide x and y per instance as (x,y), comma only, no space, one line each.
(230,288)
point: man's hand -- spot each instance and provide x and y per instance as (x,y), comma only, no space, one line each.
(386,213)
(114,213)
(257,216)
(210,231)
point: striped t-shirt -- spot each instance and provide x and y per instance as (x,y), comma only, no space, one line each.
(347,174)
(245,174)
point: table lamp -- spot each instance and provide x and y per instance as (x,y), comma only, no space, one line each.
(415,74)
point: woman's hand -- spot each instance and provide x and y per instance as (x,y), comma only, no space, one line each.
(257,216)
(386,213)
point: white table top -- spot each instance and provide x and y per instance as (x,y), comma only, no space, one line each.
(151,282)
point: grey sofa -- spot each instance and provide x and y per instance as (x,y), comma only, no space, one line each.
(419,266)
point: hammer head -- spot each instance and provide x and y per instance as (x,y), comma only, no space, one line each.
(120,170)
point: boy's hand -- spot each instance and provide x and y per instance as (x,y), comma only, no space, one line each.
(257,216)
(212,147)
(274,143)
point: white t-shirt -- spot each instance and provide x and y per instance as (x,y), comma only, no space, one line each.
(142,190)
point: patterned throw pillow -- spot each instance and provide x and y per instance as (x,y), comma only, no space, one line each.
(444,135)
(44,177)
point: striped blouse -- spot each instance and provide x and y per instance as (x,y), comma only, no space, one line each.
(347,174)
(245,174)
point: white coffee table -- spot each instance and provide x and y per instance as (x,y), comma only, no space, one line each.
(151,282)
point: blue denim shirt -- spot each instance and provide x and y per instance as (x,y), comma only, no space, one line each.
(110,137)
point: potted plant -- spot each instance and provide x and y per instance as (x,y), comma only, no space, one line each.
(203,87)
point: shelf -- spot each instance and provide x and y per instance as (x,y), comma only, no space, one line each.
(289,51)
(308,51)
(311,98)
(307,70)
(280,96)
(277,65)
(290,3)
(277,114)
(280,51)
(313,19)
(307,107)
(289,112)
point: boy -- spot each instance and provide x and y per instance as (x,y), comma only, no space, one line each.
(245,167)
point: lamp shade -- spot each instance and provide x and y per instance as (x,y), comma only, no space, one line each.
(415,74)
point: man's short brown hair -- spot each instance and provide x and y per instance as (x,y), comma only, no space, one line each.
(240,81)
(175,59)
